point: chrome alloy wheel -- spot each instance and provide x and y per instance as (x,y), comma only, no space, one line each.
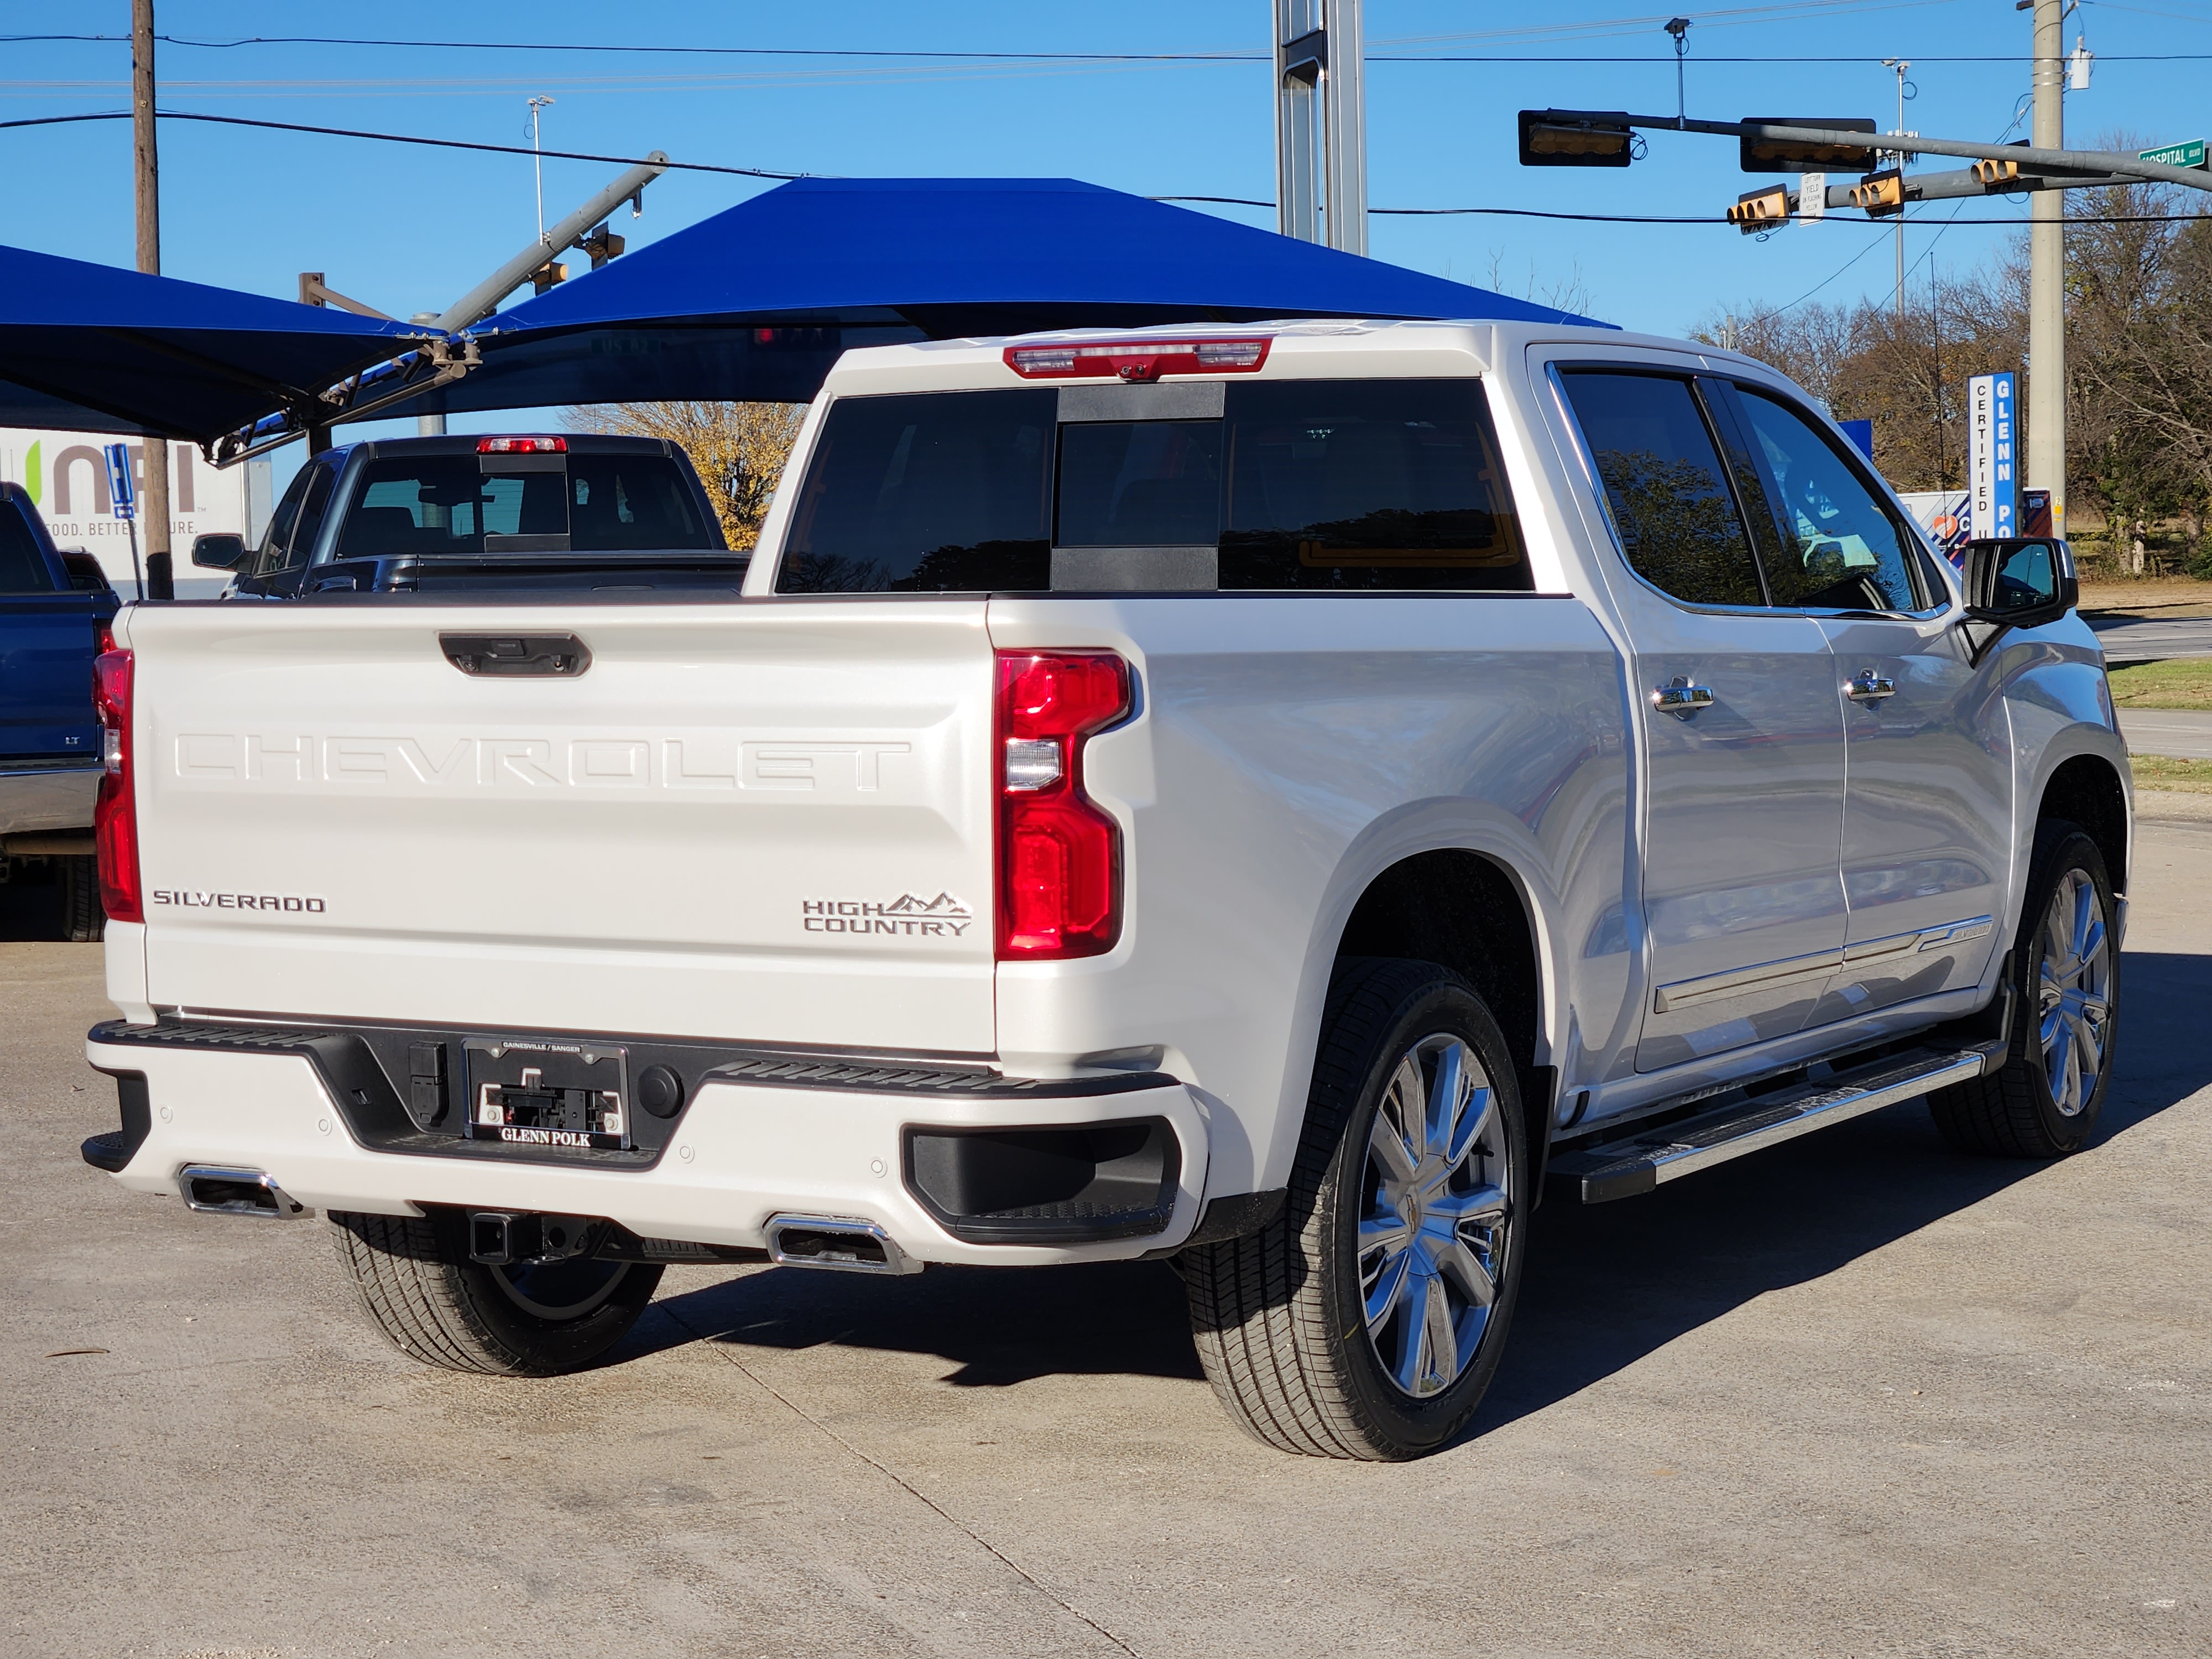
(2074,978)
(1433,1219)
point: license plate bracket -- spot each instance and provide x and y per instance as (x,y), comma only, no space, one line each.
(549,1092)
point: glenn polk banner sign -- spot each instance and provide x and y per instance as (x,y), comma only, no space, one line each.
(1992,483)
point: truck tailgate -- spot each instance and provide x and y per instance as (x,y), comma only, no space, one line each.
(761,823)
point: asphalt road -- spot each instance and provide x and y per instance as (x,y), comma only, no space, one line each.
(1858,1396)
(2152,639)
(2184,733)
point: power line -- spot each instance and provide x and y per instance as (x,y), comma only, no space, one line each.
(405,138)
(880,52)
(1234,201)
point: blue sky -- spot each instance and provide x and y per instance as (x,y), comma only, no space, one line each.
(408,229)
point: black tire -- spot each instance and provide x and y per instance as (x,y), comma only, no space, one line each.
(1280,1316)
(421,1290)
(84,922)
(2013,1111)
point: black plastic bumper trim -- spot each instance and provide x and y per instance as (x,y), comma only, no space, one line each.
(113,1150)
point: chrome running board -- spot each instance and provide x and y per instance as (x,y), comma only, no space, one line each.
(1636,1164)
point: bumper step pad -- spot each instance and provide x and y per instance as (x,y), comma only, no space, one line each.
(1636,1165)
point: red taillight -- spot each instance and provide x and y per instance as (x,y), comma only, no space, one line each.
(522,446)
(1060,856)
(1136,359)
(115,815)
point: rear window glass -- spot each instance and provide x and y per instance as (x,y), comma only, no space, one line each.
(932,492)
(22,564)
(1373,485)
(1338,484)
(434,504)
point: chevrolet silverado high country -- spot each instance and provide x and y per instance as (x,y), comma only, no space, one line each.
(1265,797)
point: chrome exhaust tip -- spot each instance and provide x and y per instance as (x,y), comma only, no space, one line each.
(212,1189)
(840,1243)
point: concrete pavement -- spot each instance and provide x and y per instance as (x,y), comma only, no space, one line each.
(2184,733)
(1858,1396)
(2152,639)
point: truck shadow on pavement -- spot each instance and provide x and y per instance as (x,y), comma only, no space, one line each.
(1604,1287)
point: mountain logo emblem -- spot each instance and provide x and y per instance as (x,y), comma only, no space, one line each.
(906,904)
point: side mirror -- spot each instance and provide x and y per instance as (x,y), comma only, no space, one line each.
(2019,582)
(222,551)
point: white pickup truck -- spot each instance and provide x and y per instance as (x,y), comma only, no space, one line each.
(1268,798)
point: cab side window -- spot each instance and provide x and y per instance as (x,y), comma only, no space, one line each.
(313,510)
(1665,484)
(1840,549)
(270,556)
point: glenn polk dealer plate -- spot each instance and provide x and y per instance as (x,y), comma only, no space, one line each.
(547,1092)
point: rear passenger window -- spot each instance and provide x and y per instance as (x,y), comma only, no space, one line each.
(933,492)
(1840,549)
(1671,503)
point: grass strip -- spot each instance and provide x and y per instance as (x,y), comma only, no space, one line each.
(2180,683)
(2187,777)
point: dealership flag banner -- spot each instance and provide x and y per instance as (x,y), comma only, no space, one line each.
(1992,486)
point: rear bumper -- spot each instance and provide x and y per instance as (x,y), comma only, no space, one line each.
(741,1154)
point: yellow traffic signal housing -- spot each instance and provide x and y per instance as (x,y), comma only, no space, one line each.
(1575,139)
(548,274)
(1882,194)
(603,245)
(1760,210)
(1996,173)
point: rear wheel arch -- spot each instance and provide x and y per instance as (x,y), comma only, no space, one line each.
(2087,790)
(1466,911)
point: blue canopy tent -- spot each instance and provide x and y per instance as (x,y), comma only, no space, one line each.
(99,350)
(758,302)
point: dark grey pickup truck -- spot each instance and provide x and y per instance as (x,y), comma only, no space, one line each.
(554,512)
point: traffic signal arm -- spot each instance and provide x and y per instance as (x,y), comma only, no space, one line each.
(2059,168)
(2074,167)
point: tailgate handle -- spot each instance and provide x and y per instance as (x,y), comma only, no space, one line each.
(559,656)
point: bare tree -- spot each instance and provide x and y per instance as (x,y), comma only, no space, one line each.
(738,449)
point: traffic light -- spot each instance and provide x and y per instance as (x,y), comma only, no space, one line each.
(1797,155)
(1996,173)
(1575,139)
(1882,194)
(1761,209)
(603,245)
(548,274)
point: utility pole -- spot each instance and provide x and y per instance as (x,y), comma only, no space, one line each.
(2046,287)
(146,169)
(1321,122)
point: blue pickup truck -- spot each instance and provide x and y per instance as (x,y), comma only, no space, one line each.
(55,610)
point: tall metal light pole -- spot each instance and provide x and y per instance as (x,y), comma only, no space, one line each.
(1899,65)
(538,162)
(147,190)
(2046,287)
(1321,122)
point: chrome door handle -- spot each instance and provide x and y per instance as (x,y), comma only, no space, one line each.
(1871,687)
(1681,698)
